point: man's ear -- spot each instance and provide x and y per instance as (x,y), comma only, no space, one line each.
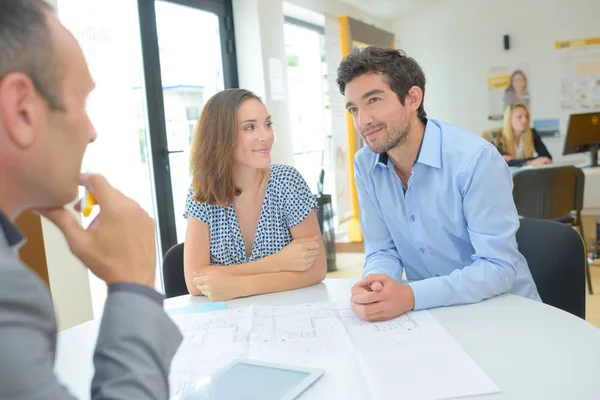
(414,98)
(20,107)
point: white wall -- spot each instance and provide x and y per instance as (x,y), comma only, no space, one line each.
(337,8)
(69,281)
(456,42)
(259,44)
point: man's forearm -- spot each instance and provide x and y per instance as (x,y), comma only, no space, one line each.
(136,344)
(479,281)
(383,263)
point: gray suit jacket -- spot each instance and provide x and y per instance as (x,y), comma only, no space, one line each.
(136,342)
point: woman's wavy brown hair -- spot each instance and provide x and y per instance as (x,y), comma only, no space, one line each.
(211,154)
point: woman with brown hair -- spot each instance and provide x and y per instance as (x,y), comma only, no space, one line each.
(518,143)
(517,91)
(253,226)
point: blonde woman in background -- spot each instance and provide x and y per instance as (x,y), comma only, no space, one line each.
(518,143)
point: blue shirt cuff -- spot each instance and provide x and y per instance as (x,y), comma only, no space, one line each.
(429,293)
(379,266)
(139,289)
(382,271)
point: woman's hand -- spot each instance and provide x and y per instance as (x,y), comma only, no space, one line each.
(300,254)
(218,284)
(540,161)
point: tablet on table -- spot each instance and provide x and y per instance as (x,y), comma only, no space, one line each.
(252,380)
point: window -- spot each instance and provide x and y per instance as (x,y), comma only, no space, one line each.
(111,43)
(308,96)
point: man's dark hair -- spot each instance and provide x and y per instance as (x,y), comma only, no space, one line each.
(27,46)
(399,71)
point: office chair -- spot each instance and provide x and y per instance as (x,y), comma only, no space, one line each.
(554,193)
(557,261)
(325,218)
(173,275)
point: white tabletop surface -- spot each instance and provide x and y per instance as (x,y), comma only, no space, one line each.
(530,350)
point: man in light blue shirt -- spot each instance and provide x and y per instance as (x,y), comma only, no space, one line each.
(435,200)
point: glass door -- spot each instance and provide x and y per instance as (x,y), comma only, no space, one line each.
(307,82)
(189,55)
(155,62)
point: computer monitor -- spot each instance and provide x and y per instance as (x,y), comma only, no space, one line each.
(583,134)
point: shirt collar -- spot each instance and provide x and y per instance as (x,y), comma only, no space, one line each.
(13,236)
(430,149)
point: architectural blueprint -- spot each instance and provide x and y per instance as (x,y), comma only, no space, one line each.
(362,360)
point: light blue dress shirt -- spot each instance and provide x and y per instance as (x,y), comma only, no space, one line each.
(454,228)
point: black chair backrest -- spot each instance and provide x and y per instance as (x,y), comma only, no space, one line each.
(173,276)
(548,192)
(556,259)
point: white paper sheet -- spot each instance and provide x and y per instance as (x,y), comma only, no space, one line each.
(412,356)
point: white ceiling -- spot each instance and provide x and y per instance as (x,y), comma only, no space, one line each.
(303,14)
(387,9)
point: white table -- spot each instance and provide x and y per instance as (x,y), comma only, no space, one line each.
(530,350)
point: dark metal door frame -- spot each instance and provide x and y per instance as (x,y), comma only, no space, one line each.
(155,103)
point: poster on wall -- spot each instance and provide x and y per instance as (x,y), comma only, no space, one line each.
(507,85)
(579,74)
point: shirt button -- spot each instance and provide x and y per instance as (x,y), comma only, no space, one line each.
(412,218)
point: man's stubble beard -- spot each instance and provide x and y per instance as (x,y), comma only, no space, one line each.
(395,137)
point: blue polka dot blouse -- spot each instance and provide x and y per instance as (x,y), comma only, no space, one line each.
(288,201)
